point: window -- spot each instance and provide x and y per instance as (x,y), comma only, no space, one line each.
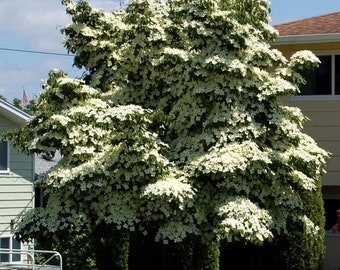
(40,199)
(4,156)
(9,243)
(331,206)
(325,80)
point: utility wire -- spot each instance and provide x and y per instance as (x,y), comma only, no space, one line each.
(36,52)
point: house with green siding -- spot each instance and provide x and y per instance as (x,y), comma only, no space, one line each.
(16,181)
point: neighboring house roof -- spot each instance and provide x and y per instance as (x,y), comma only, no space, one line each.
(322,28)
(317,25)
(43,164)
(13,113)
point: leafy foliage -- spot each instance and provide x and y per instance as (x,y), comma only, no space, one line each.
(177,128)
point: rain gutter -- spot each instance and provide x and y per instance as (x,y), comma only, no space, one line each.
(303,39)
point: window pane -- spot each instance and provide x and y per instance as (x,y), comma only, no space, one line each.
(319,81)
(15,245)
(4,243)
(3,156)
(337,74)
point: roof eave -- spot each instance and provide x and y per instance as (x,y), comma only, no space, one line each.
(304,39)
(13,113)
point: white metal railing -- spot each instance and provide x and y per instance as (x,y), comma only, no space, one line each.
(30,262)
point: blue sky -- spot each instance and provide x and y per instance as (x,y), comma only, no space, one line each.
(35,25)
(288,10)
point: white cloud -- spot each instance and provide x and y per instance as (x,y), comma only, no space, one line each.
(32,17)
(38,21)
(108,5)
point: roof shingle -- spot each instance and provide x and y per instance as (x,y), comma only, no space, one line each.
(317,25)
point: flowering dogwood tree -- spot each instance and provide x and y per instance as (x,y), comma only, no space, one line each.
(176,128)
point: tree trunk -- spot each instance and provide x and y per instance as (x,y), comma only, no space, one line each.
(111,248)
(206,256)
(191,255)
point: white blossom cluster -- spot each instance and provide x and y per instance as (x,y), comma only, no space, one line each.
(243,220)
(172,189)
(310,227)
(303,59)
(230,158)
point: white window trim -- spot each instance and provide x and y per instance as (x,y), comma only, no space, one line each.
(8,159)
(315,98)
(331,97)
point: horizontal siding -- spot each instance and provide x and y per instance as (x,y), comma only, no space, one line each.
(16,196)
(330,179)
(26,173)
(5,221)
(6,218)
(21,164)
(10,212)
(20,159)
(315,106)
(331,146)
(289,49)
(333,164)
(13,179)
(323,134)
(323,119)
(10,189)
(16,187)
(324,128)
(18,204)
(5,124)
(5,224)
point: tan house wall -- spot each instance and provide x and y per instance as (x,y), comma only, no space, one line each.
(324,115)
(289,49)
(324,128)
